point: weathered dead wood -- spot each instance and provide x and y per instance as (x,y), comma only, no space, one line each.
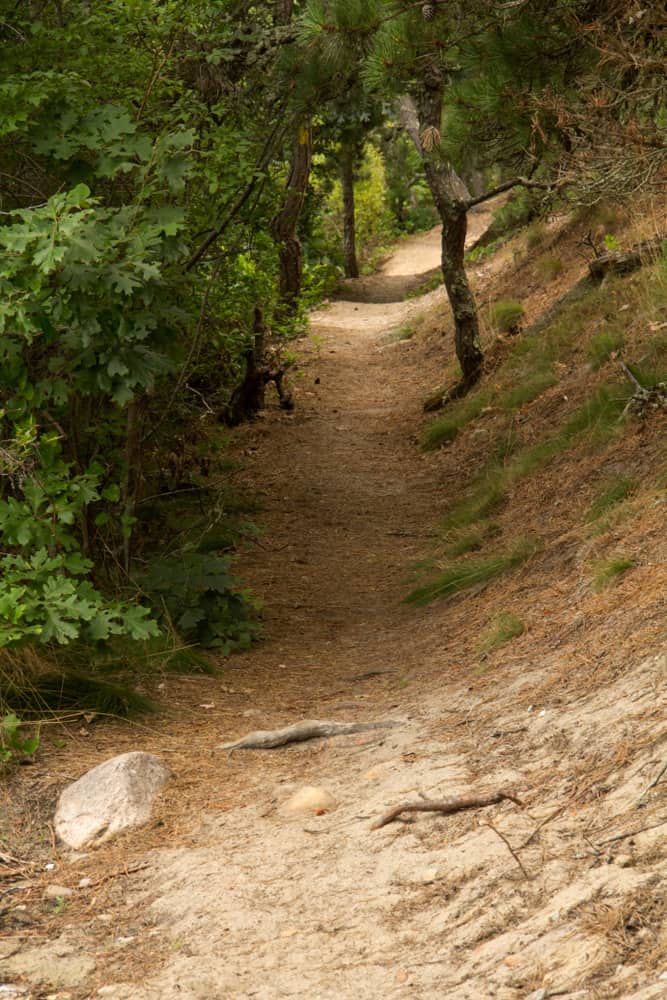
(446,807)
(624,261)
(309,729)
(644,399)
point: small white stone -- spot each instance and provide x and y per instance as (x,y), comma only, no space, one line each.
(57,892)
(311,799)
(624,860)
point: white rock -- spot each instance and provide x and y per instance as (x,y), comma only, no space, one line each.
(57,892)
(311,799)
(624,860)
(114,796)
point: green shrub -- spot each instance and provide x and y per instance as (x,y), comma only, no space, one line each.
(429,285)
(506,316)
(550,267)
(505,627)
(486,497)
(483,251)
(599,415)
(536,234)
(602,345)
(459,576)
(522,206)
(404,332)
(202,600)
(609,570)
(616,491)
(13,741)
(67,690)
(529,388)
(444,429)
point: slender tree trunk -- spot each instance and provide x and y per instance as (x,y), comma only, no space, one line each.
(348,157)
(450,197)
(132,476)
(283,225)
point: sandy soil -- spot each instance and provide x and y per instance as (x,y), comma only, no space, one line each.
(231,895)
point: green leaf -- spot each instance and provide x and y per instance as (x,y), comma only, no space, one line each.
(111,492)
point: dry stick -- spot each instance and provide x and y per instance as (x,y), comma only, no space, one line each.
(508,846)
(446,807)
(139,866)
(632,833)
(544,822)
(652,784)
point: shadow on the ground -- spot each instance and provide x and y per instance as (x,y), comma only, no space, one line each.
(381,287)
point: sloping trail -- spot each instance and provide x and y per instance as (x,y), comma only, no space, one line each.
(241,898)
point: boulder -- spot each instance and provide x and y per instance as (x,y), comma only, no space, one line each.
(114,796)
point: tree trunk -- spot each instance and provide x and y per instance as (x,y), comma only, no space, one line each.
(461,299)
(283,225)
(450,197)
(248,397)
(348,157)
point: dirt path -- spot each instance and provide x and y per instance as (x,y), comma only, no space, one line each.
(242,898)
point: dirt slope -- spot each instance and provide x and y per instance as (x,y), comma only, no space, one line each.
(236,897)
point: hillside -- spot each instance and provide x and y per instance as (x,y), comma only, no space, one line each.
(531,658)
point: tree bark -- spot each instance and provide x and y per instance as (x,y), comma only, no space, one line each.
(283,225)
(348,157)
(451,201)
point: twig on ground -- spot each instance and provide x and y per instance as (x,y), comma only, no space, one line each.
(128,870)
(446,807)
(544,822)
(309,729)
(6,859)
(632,833)
(508,846)
(652,784)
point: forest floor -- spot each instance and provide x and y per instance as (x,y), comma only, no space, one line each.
(228,893)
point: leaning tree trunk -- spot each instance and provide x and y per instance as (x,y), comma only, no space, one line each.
(283,225)
(450,197)
(348,157)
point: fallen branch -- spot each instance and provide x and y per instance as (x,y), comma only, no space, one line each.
(654,397)
(446,807)
(508,846)
(623,261)
(632,833)
(652,784)
(309,729)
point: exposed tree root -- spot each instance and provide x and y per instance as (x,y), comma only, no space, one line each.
(309,729)
(446,807)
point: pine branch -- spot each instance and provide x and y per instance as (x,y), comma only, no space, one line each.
(517,182)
